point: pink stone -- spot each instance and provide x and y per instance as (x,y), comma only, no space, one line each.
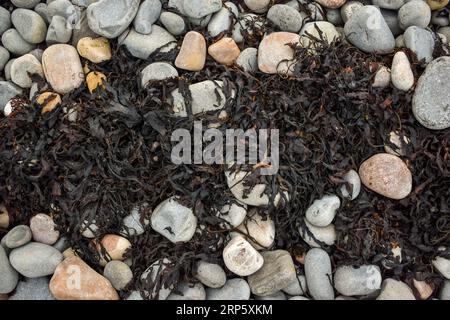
(274,49)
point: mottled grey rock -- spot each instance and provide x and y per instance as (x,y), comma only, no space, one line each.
(18,236)
(317,235)
(248,60)
(391,18)
(322,212)
(421,42)
(200,8)
(392,289)
(279,295)
(33,289)
(444,294)
(221,20)
(8,90)
(109,18)
(210,274)
(204,98)
(360,281)
(349,8)
(173,23)
(23,67)
(158,71)
(29,24)
(318,274)
(432,95)
(234,289)
(57,31)
(367,30)
(352,188)
(334,17)
(277,272)
(297,287)
(27,4)
(389,4)
(35,260)
(174,221)
(4,57)
(143,45)
(414,13)
(5,20)
(118,273)
(137,220)
(188,291)
(8,276)
(147,15)
(285,17)
(15,44)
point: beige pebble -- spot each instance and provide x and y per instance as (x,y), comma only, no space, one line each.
(95,79)
(225,51)
(274,49)
(115,247)
(192,55)
(48,101)
(95,50)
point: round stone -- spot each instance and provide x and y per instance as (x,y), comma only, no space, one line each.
(192,55)
(318,274)
(432,95)
(274,49)
(233,214)
(210,274)
(414,13)
(62,68)
(30,25)
(118,273)
(382,78)
(285,18)
(322,212)
(35,260)
(43,229)
(327,31)
(17,237)
(360,281)
(421,42)
(112,247)
(387,175)
(248,60)
(392,289)
(158,71)
(234,289)
(352,188)
(241,258)
(401,74)
(173,23)
(15,44)
(148,13)
(225,51)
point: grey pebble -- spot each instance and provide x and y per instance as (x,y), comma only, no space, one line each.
(318,274)
(18,236)
(360,281)
(5,20)
(234,289)
(33,289)
(414,13)
(148,13)
(173,23)
(58,31)
(8,276)
(15,44)
(421,42)
(118,273)
(285,18)
(210,274)
(30,25)
(158,71)
(248,60)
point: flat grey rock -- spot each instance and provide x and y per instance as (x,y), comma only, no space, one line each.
(431,101)
(35,260)
(33,289)
(200,8)
(29,24)
(109,18)
(148,13)
(360,281)
(143,45)
(173,23)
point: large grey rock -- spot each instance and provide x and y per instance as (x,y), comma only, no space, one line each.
(248,60)
(4,57)
(158,71)
(188,291)
(23,67)
(322,212)
(35,260)
(173,23)
(18,236)
(432,95)
(5,20)
(174,221)
(8,276)
(391,18)
(15,44)
(277,272)
(147,15)
(221,20)
(210,274)
(360,281)
(29,24)
(392,289)
(118,273)
(414,13)
(58,32)
(27,4)
(8,91)
(33,289)
(421,42)
(200,8)
(204,98)
(318,274)
(109,18)
(389,4)
(285,17)
(143,45)
(234,289)
(444,294)
(367,30)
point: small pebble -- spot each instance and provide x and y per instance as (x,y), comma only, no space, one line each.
(148,13)
(95,50)
(273,50)
(285,18)
(118,273)
(241,258)
(421,42)
(414,13)
(225,51)
(357,281)
(43,229)
(136,222)
(94,80)
(401,74)
(248,60)
(173,23)
(23,67)
(259,230)
(352,190)
(192,55)
(325,235)
(49,101)
(210,274)
(58,31)
(322,212)
(233,214)
(15,44)
(115,247)
(17,237)
(29,24)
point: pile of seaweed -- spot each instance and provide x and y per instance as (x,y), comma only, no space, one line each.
(117,156)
